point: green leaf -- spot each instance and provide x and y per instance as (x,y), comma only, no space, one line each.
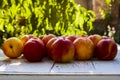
(108,2)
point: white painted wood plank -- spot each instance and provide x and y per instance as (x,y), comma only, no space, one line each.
(118,53)
(22,66)
(2,64)
(74,67)
(107,67)
(1,54)
(2,67)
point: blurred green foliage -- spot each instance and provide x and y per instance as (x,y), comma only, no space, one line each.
(39,17)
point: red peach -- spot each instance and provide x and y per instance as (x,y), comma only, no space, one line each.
(106,49)
(25,38)
(95,38)
(62,50)
(34,50)
(46,38)
(72,37)
(48,45)
(105,37)
(84,35)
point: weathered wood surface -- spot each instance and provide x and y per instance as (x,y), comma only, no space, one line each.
(48,69)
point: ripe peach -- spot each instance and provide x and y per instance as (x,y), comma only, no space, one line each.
(106,49)
(25,38)
(12,47)
(95,38)
(62,50)
(105,37)
(71,37)
(48,45)
(46,38)
(84,35)
(34,50)
(84,48)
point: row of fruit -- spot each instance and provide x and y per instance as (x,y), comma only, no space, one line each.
(62,48)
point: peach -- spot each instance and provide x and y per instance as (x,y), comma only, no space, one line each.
(48,45)
(34,50)
(106,49)
(46,38)
(84,35)
(62,50)
(105,37)
(12,47)
(95,38)
(84,48)
(25,38)
(71,37)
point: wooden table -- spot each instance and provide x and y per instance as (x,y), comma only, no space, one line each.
(20,69)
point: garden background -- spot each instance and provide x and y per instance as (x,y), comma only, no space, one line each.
(59,17)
